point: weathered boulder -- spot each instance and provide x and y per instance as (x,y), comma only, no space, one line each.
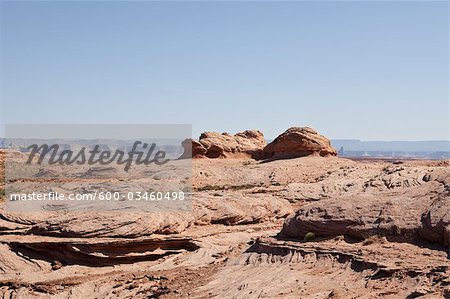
(216,145)
(398,211)
(198,150)
(359,217)
(299,142)
(436,220)
(192,149)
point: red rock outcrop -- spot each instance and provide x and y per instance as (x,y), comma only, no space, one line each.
(192,149)
(294,142)
(299,142)
(405,206)
(216,145)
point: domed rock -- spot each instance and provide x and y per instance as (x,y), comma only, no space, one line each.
(299,142)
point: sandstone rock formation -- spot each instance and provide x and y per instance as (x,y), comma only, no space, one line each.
(294,142)
(299,142)
(192,149)
(216,145)
(228,245)
(408,204)
(198,150)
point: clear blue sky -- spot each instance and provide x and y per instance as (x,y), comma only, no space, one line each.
(366,70)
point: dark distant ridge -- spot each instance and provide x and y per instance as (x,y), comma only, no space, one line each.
(413,146)
(437,149)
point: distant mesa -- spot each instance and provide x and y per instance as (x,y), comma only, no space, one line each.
(433,149)
(294,142)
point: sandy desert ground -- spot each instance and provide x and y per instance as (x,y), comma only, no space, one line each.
(381,231)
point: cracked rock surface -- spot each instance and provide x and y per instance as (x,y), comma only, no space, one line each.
(381,231)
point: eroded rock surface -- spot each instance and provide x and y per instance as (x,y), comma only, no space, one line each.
(397,203)
(216,145)
(299,142)
(380,232)
(294,142)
